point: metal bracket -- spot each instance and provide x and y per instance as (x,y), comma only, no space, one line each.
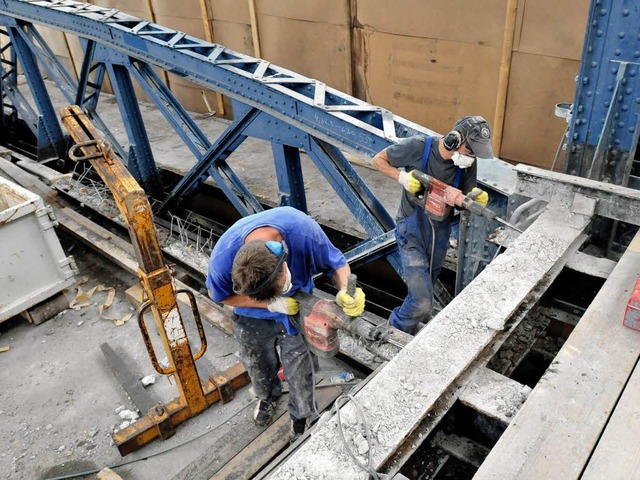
(162,421)
(223,385)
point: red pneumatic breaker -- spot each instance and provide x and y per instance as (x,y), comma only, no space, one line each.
(632,314)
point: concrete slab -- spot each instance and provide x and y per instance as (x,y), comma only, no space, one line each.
(404,392)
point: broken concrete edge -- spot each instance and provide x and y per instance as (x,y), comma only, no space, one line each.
(404,392)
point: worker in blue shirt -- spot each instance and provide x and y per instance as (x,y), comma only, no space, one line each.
(422,241)
(256,267)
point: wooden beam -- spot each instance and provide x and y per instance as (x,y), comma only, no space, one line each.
(617,454)
(554,433)
(503,75)
(141,398)
(406,391)
(267,445)
(254,29)
(207,18)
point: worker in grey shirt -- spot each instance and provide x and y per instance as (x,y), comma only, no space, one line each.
(422,241)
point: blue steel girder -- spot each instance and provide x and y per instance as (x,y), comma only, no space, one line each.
(212,163)
(328,114)
(142,166)
(322,121)
(289,174)
(88,91)
(170,107)
(350,187)
(19,103)
(9,78)
(61,78)
(384,245)
(51,140)
(603,132)
(46,58)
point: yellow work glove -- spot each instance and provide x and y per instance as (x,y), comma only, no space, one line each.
(352,306)
(286,305)
(410,183)
(479,195)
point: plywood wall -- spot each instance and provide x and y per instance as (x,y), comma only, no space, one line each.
(430,61)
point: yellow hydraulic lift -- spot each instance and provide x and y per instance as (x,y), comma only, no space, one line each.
(161,293)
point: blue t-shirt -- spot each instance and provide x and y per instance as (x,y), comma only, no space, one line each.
(310,252)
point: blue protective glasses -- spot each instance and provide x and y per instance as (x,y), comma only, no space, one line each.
(277,248)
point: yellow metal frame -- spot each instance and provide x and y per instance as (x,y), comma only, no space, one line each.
(157,281)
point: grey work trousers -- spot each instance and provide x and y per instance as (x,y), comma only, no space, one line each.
(258,338)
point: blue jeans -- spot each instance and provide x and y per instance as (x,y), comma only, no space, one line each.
(414,237)
(257,338)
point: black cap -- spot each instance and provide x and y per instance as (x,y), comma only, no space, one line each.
(476,133)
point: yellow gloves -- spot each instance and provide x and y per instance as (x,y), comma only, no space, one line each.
(479,196)
(286,305)
(352,306)
(410,183)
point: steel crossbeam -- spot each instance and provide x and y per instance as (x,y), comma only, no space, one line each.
(287,109)
(345,121)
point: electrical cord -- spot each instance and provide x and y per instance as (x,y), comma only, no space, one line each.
(368,467)
(433,248)
(122,464)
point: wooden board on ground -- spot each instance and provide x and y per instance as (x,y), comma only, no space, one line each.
(108,474)
(617,454)
(121,252)
(554,433)
(267,445)
(141,398)
(406,390)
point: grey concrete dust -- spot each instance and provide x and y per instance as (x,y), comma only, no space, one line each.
(404,391)
(60,403)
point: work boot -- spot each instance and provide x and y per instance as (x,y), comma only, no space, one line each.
(264,412)
(298,426)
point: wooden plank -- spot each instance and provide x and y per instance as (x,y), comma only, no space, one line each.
(554,432)
(99,239)
(121,252)
(406,390)
(48,175)
(267,445)
(140,397)
(108,474)
(494,395)
(617,455)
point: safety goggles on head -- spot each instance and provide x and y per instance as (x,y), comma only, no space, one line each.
(280,250)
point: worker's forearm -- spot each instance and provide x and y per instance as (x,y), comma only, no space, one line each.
(341,276)
(381,163)
(243,301)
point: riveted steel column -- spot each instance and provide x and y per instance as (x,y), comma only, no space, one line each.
(51,141)
(289,174)
(604,129)
(142,166)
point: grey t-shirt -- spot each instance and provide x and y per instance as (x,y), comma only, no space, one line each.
(408,152)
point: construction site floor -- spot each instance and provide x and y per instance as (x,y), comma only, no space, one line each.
(60,402)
